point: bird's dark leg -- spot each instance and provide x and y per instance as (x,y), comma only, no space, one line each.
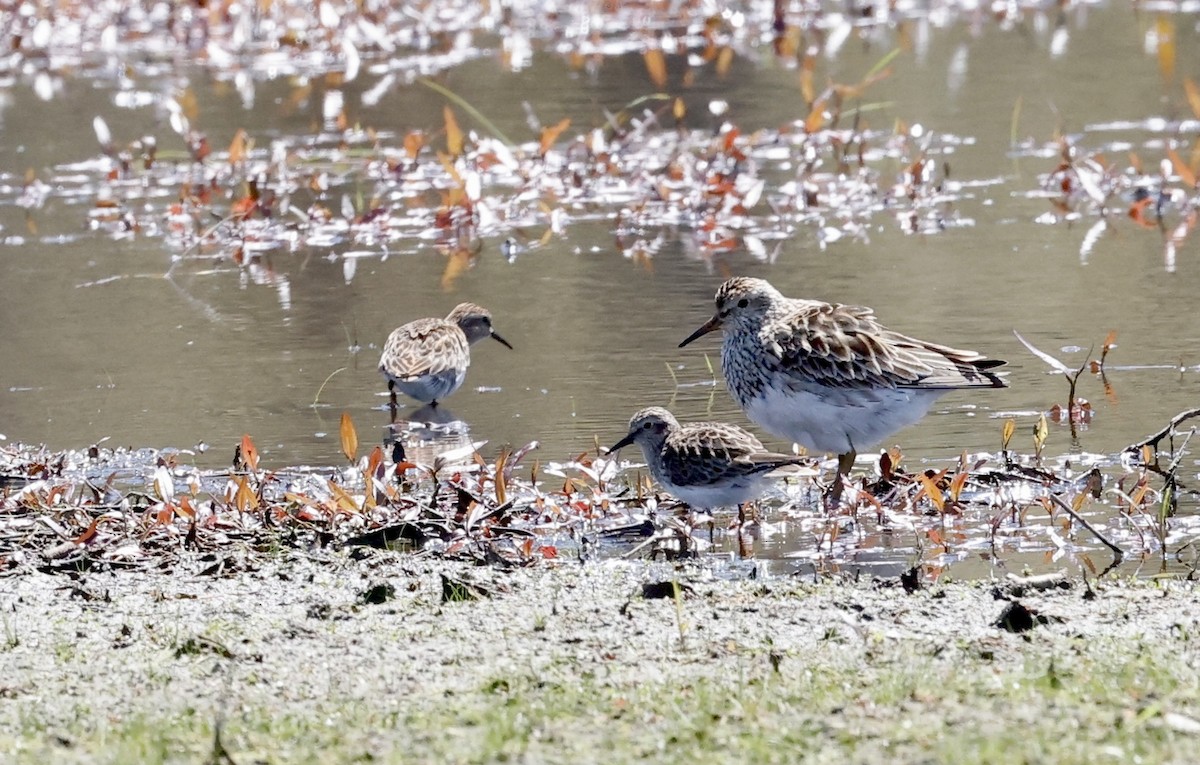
(845,463)
(392,405)
(743,548)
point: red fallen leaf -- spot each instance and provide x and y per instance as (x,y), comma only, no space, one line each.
(87,535)
(549,551)
(551,134)
(166,515)
(249,452)
(243,208)
(730,139)
(185,507)
(1138,212)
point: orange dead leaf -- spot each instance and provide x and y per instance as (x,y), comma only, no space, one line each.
(349,437)
(551,134)
(456,265)
(185,507)
(656,66)
(1181,168)
(374,461)
(932,491)
(679,109)
(816,117)
(343,498)
(239,147)
(1193,96)
(243,499)
(249,453)
(413,141)
(86,536)
(501,488)
(724,61)
(1164,29)
(454,134)
(807,67)
(956,485)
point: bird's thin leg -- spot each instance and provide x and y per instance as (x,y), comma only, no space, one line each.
(743,548)
(845,462)
(392,405)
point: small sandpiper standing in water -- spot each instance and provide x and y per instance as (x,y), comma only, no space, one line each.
(705,464)
(830,377)
(427,359)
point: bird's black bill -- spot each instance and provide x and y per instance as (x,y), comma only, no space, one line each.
(502,341)
(626,441)
(704,329)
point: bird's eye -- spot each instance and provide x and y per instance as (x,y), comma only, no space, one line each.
(648,425)
(743,303)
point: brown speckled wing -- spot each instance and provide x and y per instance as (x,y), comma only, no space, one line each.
(846,346)
(424,346)
(713,452)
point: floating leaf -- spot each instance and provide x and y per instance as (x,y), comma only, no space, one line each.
(349,437)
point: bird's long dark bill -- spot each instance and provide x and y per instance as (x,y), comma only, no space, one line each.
(626,441)
(708,326)
(502,341)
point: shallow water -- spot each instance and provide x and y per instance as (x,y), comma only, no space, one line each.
(98,344)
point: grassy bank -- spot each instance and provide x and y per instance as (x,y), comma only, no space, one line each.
(344,660)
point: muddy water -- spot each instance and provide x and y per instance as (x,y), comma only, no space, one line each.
(97,343)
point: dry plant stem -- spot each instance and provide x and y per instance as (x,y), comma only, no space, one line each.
(1169,429)
(1117,551)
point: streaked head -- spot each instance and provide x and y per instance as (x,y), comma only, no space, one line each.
(648,428)
(476,323)
(741,301)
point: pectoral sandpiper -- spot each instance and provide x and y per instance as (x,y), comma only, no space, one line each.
(827,376)
(427,359)
(705,464)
